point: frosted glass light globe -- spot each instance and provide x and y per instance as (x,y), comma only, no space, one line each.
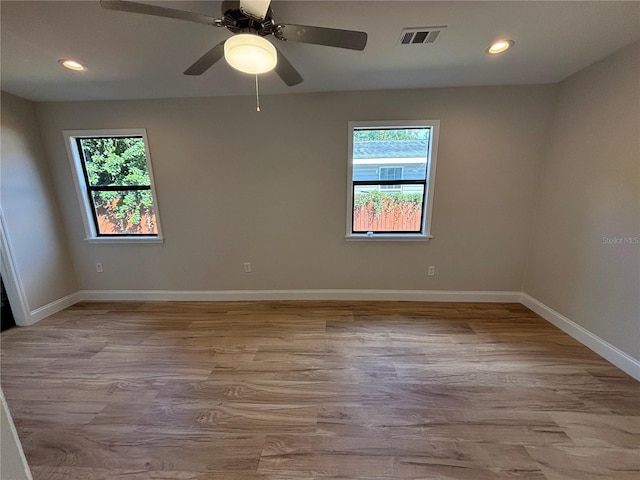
(250,53)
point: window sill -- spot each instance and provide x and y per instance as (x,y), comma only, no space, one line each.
(140,239)
(388,238)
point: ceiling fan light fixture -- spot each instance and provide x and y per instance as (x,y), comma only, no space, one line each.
(250,53)
(500,46)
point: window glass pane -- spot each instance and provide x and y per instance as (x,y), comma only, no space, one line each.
(390,173)
(125,212)
(381,211)
(401,150)
(115,161)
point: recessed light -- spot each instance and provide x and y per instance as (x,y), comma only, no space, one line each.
(72,65)
(500,46)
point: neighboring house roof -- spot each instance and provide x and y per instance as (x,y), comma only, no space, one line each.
(390,149)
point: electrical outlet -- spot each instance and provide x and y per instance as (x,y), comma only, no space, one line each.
(431,271)
(247,267)
(99,268)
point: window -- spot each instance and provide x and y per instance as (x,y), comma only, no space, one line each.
(391,179)
(390,173)
(114,183)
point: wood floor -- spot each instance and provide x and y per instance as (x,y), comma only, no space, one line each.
(315,390)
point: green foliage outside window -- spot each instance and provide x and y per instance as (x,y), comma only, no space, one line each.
(120,162)
(116,161)
(368,135)
(378,202)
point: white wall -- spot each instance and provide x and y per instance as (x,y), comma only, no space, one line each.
(13,464)
(589,191)
(234,185)
(31,217)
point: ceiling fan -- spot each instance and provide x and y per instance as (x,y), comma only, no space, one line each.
(248,50)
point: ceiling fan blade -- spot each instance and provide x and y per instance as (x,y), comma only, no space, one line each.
(207,60)
(255,8)
(146,9)
(286,71)
(331,37)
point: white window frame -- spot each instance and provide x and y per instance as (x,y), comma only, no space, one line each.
(427,210)
(75,160)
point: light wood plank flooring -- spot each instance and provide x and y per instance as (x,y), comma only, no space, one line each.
(315,390)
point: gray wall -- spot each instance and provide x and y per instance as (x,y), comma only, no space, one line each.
(589,192)
(33,221)
(269,188)
(13,465)
(234,185)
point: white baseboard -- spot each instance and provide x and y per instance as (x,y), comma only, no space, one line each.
(603,348)
(327,294)
(53,307)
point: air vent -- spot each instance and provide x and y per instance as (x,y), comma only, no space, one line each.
(415,36)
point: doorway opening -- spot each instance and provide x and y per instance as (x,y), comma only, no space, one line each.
(6,315)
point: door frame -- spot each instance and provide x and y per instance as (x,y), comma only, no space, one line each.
(12,283)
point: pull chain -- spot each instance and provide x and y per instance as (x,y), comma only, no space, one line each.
(257,95)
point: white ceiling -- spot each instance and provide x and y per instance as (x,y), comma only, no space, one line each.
(136,56)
